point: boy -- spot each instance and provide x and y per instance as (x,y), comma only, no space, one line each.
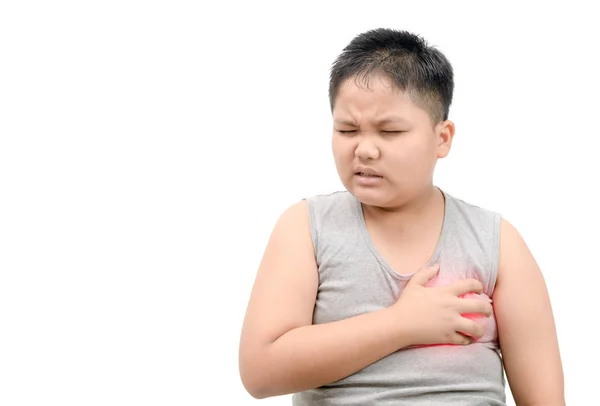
(393,291)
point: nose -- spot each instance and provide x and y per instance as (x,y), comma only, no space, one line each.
(366,149)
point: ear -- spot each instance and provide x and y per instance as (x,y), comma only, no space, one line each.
(444,135)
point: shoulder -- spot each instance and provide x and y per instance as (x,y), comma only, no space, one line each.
(310,212)
(331,207)
(509,239)
(293,217)
(329,200)
(326,214)
(480,222)
(506,239)
(515,255)
(291,231)
(474,212)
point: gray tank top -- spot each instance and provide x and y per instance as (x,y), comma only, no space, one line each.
(354,279)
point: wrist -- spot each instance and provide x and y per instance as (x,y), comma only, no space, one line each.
(399,325)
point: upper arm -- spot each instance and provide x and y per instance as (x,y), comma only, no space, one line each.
(285,289)
(526,326)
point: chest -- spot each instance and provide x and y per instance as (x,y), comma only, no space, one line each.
(356,278)
(406,255)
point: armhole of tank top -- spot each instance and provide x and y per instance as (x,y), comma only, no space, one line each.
(497,219)
(312,221)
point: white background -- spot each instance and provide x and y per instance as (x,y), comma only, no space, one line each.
(147,149)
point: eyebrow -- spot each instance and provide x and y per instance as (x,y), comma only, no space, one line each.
(346,122)
(385,120)
(392,119)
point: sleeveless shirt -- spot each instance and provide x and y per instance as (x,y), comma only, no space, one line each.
(354,279)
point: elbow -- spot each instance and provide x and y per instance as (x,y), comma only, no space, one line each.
(255,380)
(256,391)
(253,386)
(258,387)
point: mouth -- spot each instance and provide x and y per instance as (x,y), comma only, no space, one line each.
(367,175)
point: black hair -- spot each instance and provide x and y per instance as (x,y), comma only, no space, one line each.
(406,59)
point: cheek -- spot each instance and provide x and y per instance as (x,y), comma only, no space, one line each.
(410,158)
(342,149)
(343,154)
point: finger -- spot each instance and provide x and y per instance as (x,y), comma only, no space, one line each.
(465,286)
(474,306)
(423,276)
(461,339)
(469,328)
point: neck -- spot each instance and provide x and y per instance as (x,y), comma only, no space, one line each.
(410,217)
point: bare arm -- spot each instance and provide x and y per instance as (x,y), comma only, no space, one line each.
(526,326)
(281,352)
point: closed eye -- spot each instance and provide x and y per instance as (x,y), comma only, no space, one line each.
(346,131)
(393,132)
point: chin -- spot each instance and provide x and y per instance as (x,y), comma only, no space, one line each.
(376,197)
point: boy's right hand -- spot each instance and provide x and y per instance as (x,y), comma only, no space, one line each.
(434,315)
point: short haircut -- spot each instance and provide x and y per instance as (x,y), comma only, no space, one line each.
(404,58)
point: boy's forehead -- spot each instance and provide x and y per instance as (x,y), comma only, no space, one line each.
(378,98)
(375,82)
(380,90)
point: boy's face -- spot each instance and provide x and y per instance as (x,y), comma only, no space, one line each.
(381,130)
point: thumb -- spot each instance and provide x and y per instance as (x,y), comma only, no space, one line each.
(423,276)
